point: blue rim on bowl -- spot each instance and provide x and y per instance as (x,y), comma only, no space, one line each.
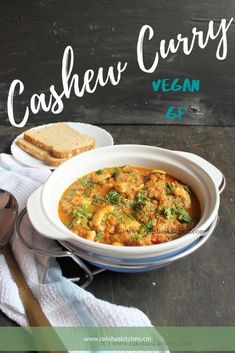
(142,266)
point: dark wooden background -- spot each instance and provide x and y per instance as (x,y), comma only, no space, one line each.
(198,290)
(34,34)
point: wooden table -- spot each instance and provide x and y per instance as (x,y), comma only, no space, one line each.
(199,289)
(34,36)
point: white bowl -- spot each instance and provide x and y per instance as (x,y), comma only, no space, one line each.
(138,265)
(42,205)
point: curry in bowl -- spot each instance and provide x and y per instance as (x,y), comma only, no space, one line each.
(129,206)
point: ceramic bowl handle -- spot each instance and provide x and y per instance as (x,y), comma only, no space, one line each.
(54,253)
(214,172)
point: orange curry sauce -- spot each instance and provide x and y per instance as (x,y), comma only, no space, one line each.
(129,206)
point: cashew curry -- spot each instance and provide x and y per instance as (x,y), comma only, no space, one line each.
(129,206)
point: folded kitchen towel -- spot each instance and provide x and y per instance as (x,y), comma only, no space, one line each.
(64,303)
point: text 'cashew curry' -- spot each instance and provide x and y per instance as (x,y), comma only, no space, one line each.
(129,206)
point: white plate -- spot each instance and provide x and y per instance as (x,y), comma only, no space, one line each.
(103,138)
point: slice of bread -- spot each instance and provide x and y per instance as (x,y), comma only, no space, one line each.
(60,140)
(39,153)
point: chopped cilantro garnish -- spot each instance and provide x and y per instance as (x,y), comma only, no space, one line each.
(177,201)
(168,212)
(140,201)
(81,212)
(99,235)
(140,197)
(144,230)
(87,184)
(98,172)
(71,192)
(113,197)
(149,225)
(115,171)
(74,213)
(119,218)
(96,200)
(140,236)
(68,224)
(183,215)
(187,188)
(169,188)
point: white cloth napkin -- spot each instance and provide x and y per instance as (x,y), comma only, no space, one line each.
(64,303)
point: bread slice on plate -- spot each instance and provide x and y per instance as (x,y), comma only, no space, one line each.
(60,140)
(39,153)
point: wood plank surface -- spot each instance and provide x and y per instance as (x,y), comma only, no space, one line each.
(33,36)
(199,289)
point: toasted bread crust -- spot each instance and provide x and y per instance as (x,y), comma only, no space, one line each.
(60,140)
(35,142)
(39,153)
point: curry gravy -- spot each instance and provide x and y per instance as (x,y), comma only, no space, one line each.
(129,206)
